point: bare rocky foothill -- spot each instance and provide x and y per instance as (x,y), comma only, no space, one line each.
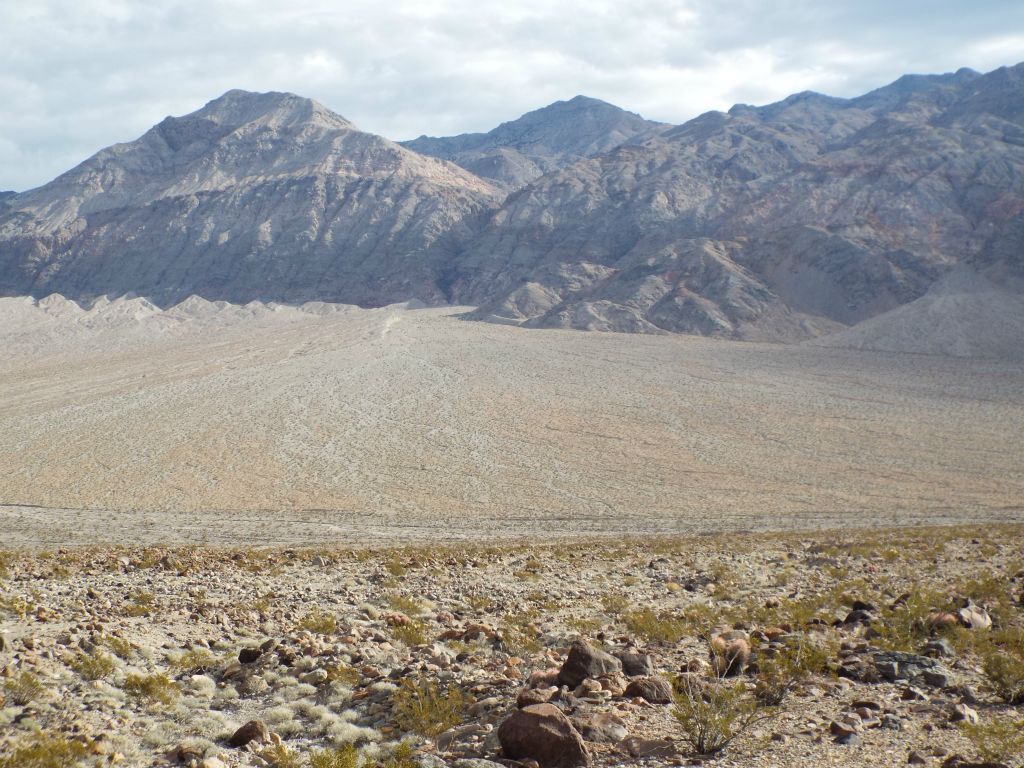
(882,648)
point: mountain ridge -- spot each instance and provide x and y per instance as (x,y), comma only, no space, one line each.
(777,223)
(770,223)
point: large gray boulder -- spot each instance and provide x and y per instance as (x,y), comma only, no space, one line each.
(586,661)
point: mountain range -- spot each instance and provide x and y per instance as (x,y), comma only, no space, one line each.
(783,222)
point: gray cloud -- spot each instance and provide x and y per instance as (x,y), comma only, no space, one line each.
(77,75)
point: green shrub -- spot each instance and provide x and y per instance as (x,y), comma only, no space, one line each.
(655,628)
(346,756)
(23,689)
(615,603)
(159,688)
(790,667)
(905,627)
(141,604)
(279,756)
(519,634)
(401,757)
(583,625)
(1004,672)
(194,662)
(422,707)
(118,645)
(344,674)
(7,560)
(412,633)
(997,740)
(94,666)
(16,606)
(44,751)
(713,713)
(320,622)
(404,605)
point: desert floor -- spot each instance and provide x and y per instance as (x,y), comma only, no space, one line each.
(263,424)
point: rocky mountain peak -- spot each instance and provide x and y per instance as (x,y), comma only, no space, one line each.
(274,109)
(540,141)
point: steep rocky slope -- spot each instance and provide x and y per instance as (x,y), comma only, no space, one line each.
(253,196)
(778,222)
(963,315)
(541,141)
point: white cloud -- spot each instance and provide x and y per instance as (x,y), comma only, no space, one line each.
(77,75)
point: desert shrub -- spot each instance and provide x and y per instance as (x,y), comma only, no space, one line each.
(401,757)
(713,713)
(796,613)
(583,625)
(412,633)
(615,603)
(44,751)
(117,645)
(987,588)
(519,634)
(699,619)
(904,627)
(530,571)
(1004,672)
(7,560)
(141,604)
(93,666)
(1010,638)
(149,558)
(422,707)
(404,604)
(16,606)
(194,662)
(264,602)
(279,756)
(346,756)
(996,740)
(24,688)
(344,674)
(541,600)
(156,687)
(479,603)
(790,667)
(319,621)
(655,628)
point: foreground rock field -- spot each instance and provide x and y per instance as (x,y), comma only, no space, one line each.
(882,648)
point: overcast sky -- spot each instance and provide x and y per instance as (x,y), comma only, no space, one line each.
(78,75)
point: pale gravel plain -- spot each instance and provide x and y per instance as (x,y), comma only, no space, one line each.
(214,423)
